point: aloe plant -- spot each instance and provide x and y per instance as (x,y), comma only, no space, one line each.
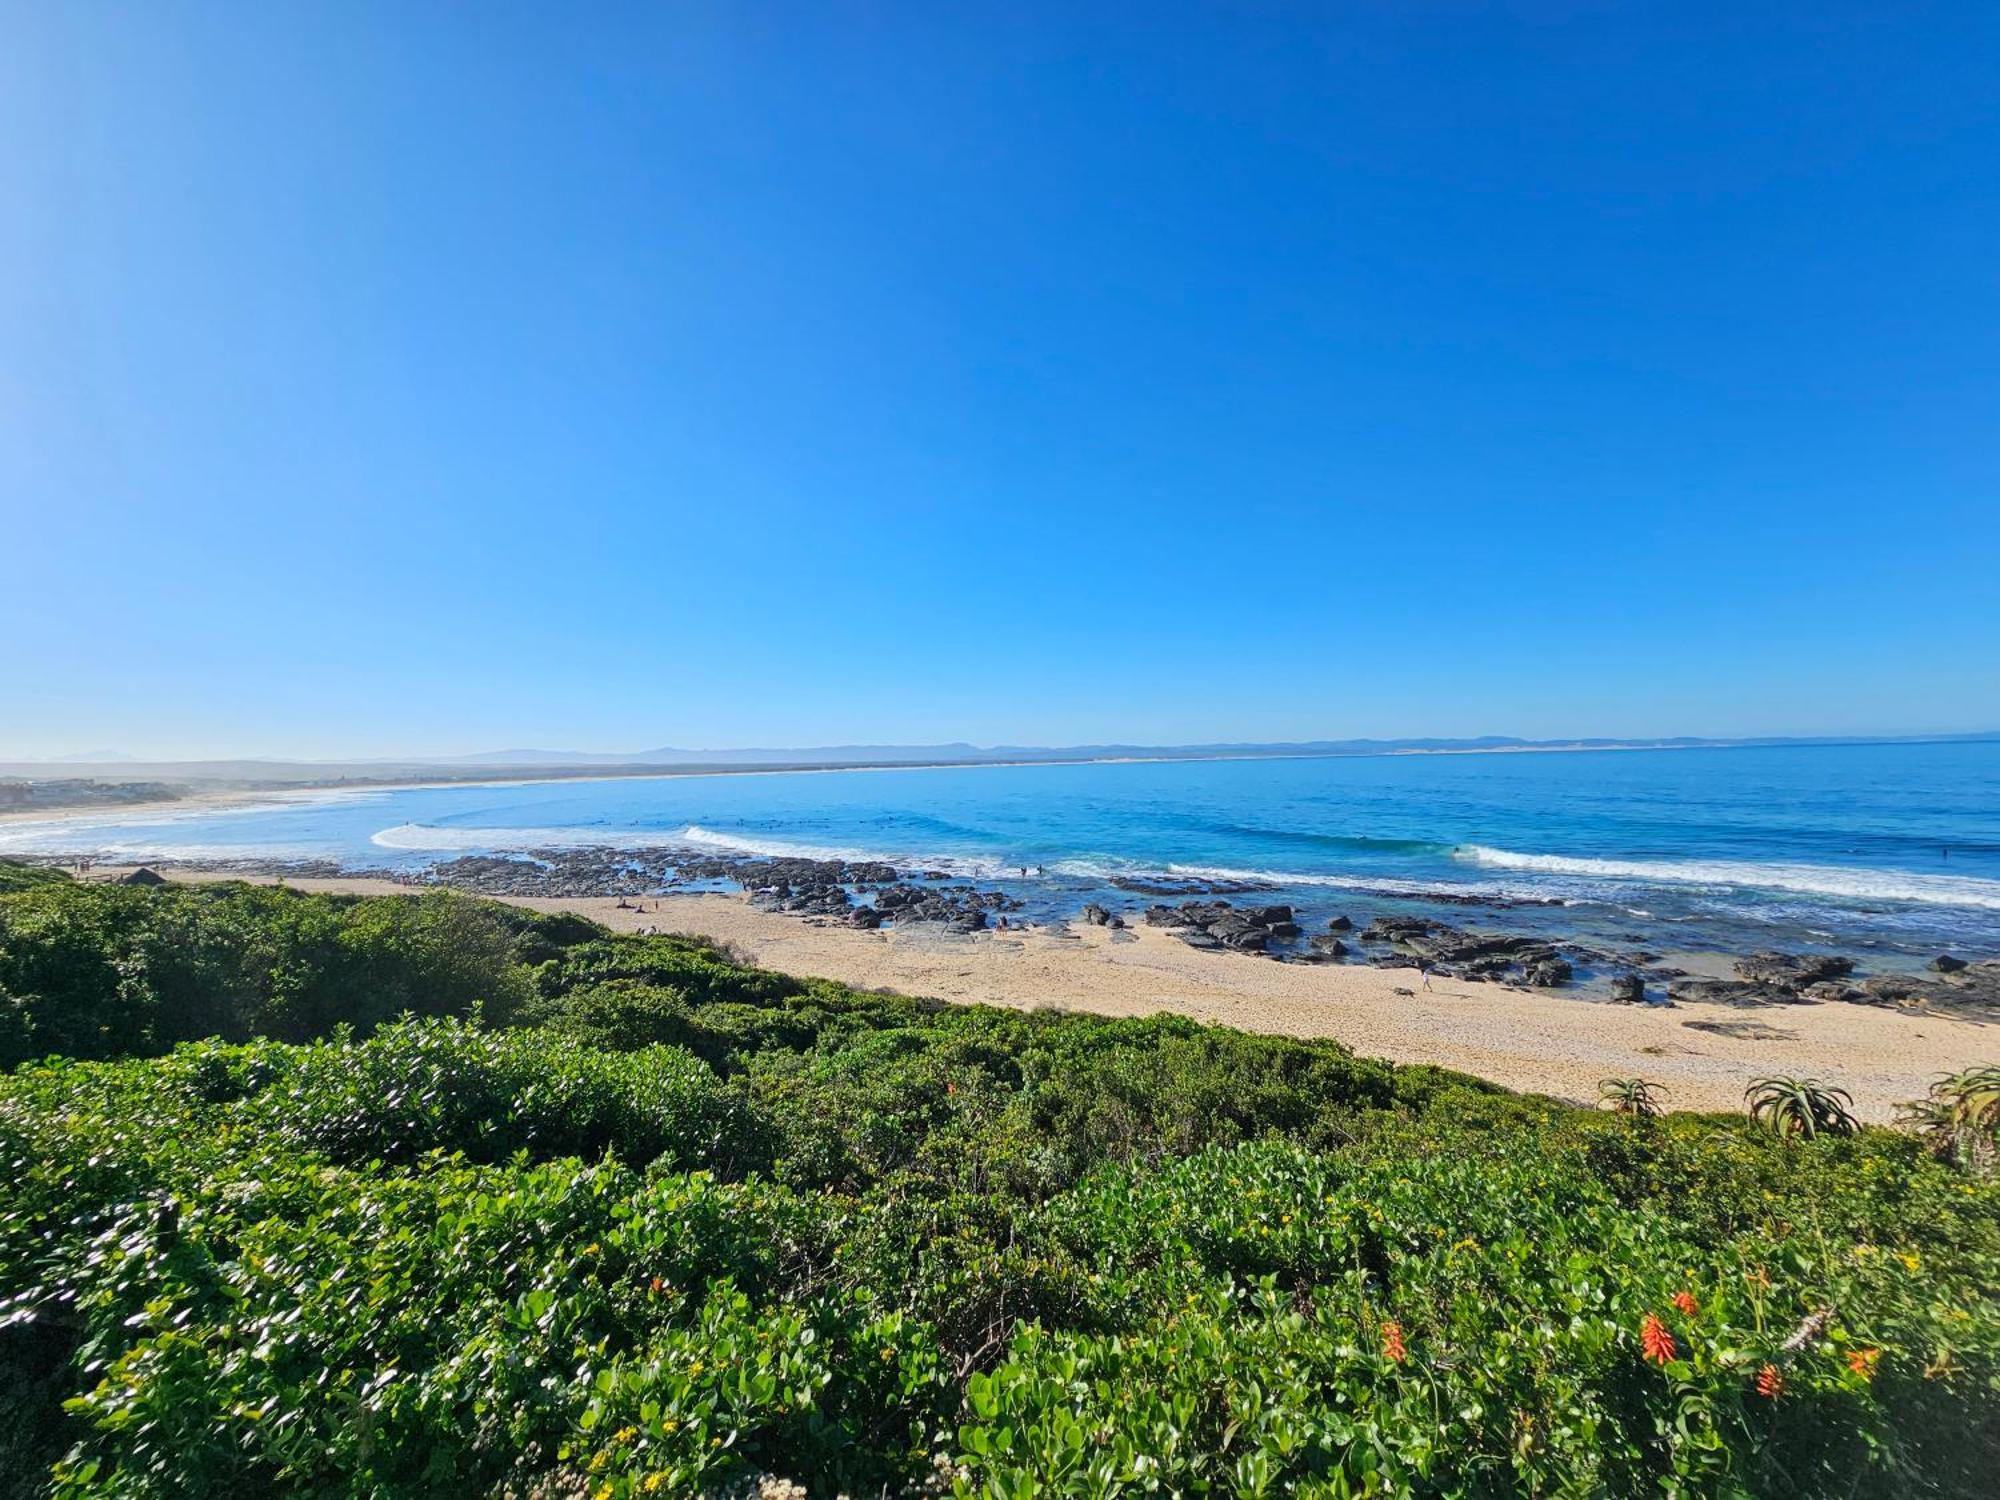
(1637,1097)
(1803,1107)
(1960,1118)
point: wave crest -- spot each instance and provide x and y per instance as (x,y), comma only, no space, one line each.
(763,848)
(1841,882)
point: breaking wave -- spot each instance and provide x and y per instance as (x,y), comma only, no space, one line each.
(955,864)
(1388,883)
(1817,880)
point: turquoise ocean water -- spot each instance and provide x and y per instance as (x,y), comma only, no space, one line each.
(1889,847)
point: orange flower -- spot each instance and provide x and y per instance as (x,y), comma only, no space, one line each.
(1863,1361)
(1770,1382)
(1686,1303)
(1655,1342)
(657,1286)
(1392,1342)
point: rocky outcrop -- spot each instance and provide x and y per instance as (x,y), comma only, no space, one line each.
(1696,989)
(1395,929)
(1792,971)
(1211,924)
(1455,953)
(1177,885)
(1972,989)
(1629,989)
(1548,973)
(959,908)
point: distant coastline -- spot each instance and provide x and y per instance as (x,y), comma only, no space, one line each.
(235,783)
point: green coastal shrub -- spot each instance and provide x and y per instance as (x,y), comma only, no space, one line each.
(609,1217)
(15,876)
(116,971)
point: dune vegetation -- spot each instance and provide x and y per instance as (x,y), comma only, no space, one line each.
(426,1196)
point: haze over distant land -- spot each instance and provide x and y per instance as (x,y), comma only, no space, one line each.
(513,764)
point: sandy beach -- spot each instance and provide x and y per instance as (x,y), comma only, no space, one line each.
(1538,1041)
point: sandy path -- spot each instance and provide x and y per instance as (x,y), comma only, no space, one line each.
(1544,1042)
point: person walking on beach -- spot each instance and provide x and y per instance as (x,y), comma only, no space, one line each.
(1424,970)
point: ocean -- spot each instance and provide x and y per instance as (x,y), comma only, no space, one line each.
(1889,848)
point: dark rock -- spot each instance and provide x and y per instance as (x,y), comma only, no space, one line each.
(1729,992)
(1792,971)
(1096,915)
(1974,989)
(1944,963)
(1340,924)
(1629,989)
(1173,885)
(1548,973)
(1329,945)
(1395,929)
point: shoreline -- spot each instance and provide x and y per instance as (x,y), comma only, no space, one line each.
(1532,1041)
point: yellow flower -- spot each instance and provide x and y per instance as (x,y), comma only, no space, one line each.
(652,1482)
(1911,1260)
(624,1434)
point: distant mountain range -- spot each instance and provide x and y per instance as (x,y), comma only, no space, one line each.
(492,765)
(959,752)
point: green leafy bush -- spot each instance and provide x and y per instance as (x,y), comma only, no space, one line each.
(116,971)
(609,1217)
(15,876)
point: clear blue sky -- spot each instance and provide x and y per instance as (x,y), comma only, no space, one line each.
(432,377)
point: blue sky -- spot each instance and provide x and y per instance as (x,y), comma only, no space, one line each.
(409,378)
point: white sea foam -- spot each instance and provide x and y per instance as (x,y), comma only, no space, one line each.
(1729,874)
(955,864)
(1389,884)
